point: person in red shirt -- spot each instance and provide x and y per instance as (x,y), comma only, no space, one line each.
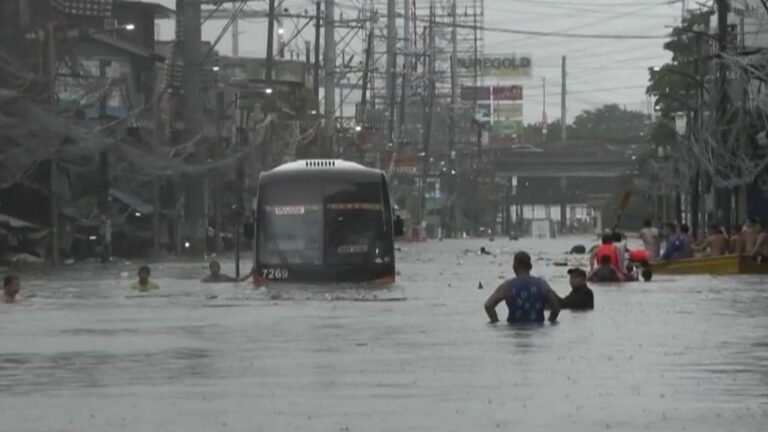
(605,249)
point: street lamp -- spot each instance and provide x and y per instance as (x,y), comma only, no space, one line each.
(129,27)
(268,90)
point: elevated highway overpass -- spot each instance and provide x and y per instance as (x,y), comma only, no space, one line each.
(578,159)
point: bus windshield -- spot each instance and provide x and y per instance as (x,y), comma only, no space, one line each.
(290,226)
(333,222)
(356,226)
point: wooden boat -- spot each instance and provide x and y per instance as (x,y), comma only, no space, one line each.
(718,265)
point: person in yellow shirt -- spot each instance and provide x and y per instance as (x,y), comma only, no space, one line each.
(144,284)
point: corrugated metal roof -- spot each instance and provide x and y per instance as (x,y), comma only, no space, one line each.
(132,201)
(126,46)
(15,223)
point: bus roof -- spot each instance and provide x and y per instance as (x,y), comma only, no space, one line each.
(315,168)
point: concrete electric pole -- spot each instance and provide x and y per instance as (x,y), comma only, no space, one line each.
(563,112)
(192,113)
(329,63)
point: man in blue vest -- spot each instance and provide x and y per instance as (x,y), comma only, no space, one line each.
(526,296)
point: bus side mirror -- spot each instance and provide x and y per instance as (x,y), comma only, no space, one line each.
(399,227)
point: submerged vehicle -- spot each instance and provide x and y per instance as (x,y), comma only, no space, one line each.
(716,265)
(325,221)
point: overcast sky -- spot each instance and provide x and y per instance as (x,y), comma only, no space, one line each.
(599,70)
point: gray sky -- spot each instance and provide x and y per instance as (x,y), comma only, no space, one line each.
(599,70)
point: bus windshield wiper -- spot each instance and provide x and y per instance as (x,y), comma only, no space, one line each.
(276,248)
(278,251)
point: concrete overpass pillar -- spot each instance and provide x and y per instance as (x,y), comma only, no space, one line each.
(563,206)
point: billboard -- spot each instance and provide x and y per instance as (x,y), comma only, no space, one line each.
(507,128)
(508,93)
(507,111)
(406,163)
(506,132)
(483,112)
(473,94)
(499,65)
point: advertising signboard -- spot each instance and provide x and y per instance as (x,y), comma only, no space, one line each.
(483,112)
(406,163)
(473,94)
(507,128)
(499,65)
(507,111)
(508,93)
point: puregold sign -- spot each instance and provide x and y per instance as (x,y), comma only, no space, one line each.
(499,65)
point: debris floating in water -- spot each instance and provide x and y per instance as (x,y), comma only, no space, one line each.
(480,285)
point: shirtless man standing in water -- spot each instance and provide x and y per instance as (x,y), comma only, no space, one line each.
(737,241)
(749,233)
(651,239)
(716,242)
(760,248)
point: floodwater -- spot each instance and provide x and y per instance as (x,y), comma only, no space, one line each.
(84,354)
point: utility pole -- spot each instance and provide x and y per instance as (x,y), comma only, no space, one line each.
(563,120)
(104,209)
(53,66)
(479,132)
(266,144)
(476,74)
(544,109)
(235,33)
(391,69)
(329,60)
(452,121)
(366,71)
(270,42)
(739,192)
(407,52)
(192,112)
(316,71)
(723,195)
(429,114)
(156,136)
(698,115)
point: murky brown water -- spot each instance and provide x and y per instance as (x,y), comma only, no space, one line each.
(682,353)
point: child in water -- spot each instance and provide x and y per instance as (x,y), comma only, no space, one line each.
(144,284)
(11,287)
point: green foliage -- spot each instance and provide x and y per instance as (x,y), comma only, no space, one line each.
(663,132)
(610,122)
(675,83)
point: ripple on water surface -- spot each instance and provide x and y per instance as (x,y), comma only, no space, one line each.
(681,353)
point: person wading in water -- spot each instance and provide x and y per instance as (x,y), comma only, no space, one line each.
(526,296)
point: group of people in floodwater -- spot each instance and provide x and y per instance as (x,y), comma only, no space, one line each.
(12,282)
(143,284)
(527,297)
(749,239)
(613,261)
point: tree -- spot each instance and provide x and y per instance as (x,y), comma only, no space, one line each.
(609,122)
(675,83)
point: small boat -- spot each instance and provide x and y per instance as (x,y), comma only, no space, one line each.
(717,265)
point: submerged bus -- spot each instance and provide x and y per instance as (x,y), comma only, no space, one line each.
(324,221)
